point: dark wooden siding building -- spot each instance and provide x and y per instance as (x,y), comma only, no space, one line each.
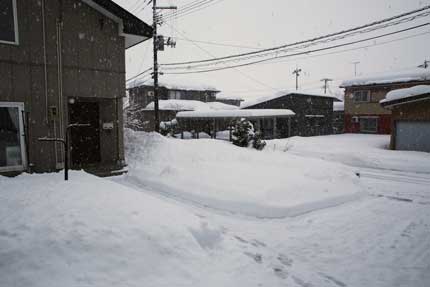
(140,96)
(61,63)
(313,113)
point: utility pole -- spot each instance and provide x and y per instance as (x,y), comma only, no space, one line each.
(297,72)
(158,44)
(326,80)
(425,65)
(355,68)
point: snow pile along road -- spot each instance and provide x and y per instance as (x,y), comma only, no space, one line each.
(356,150)
(222,176)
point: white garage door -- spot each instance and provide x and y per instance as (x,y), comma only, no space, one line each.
(413,136)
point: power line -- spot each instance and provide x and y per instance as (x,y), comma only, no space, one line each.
(218,44)
(305,52)
(136,76)
(355,29)
(189,10)
(349,50)
(276,53)
(210,54)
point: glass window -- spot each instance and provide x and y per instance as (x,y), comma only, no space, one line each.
(361,96)
(369,125)
(174,95)
(11,138)
(8,22)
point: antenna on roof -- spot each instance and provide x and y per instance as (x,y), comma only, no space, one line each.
(326,80)
(297,72)
(425,65)
(355,67)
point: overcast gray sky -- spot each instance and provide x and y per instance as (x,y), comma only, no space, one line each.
(261,24)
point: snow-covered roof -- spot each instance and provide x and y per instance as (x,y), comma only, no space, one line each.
(189,105)
(222,96)
(399,77)
(406,93)
(280,94)
(338,106)
(251,113)
(183,86)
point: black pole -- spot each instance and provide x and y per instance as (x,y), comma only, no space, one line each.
(155,43)
(66,156)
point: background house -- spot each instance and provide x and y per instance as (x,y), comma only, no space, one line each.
(229,100)
(313,113)
(410,118)
(338,117)
(143,118)
(140,95)
(363,113)
(62,63)
(173,98)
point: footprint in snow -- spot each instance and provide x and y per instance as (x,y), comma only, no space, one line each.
(257,257)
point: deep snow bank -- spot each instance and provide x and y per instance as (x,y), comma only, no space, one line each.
(219,175)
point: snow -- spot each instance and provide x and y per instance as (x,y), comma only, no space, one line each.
(189,105)
(398,77)
(228,97)
(262,184)
(280,94)
(125,231)
(172,85)
(252,113)
(406,93)
(338,106)
(356,150)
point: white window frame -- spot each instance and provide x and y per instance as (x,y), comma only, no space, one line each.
(354,99)
(15,20)
(369,131)
(20,107)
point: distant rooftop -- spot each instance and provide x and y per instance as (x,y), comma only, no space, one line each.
(222,96)
(280,94)
(189,105)
(401,95)
(389,78)
(174,86)
(251,113)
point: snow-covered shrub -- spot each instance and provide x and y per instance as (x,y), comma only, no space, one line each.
(244,135)
(257,141)
(243,132)
(168,128)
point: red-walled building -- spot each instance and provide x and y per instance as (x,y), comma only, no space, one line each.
(363,113)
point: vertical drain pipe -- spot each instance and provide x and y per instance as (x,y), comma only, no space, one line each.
(45,59)
(60,117)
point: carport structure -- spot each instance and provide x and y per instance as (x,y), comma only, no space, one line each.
(271,123)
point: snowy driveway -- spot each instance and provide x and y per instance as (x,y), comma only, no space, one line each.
(110,232)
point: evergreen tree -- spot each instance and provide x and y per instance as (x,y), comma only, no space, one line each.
(242,133)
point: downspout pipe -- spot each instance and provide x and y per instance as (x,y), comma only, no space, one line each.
(45,59)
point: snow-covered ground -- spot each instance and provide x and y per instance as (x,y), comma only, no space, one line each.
(357,150)
(136,230)
(222,176)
